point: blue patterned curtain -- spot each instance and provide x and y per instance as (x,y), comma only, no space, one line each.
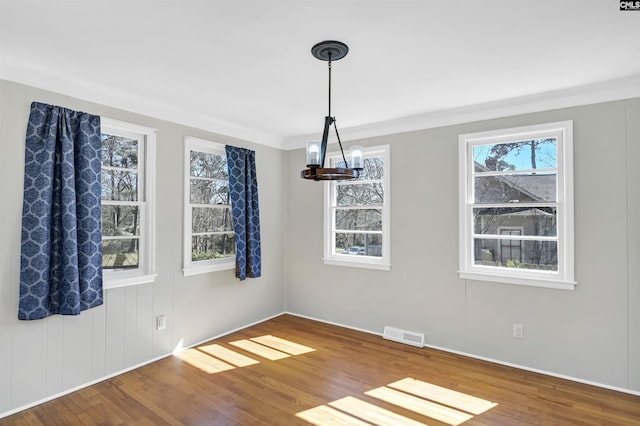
(61,262)
(243,188)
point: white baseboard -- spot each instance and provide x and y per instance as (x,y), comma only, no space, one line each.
(82,386)
(482,358)
(109,376)
(508,364)
(181,349)
(536,370)
(333,323)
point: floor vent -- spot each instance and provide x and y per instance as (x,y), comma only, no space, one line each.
(403,336)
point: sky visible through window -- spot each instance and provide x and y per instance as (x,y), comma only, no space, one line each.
(517,155)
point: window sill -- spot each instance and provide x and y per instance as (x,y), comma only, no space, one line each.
(544,282)
(195,269)
(364,263)
(114,282)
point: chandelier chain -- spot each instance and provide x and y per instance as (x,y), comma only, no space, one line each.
(329,84)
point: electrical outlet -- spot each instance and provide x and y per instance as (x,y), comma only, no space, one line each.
(518,331)
(161,322)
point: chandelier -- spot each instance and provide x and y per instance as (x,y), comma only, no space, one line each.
(329,51)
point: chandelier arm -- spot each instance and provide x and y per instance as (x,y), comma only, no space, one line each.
(346,165)
(325,136)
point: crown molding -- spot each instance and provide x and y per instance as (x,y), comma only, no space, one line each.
(30,75)
(612,90)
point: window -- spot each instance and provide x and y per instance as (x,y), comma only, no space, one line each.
(128,208)
(516,206)
(357,214)
(208,231)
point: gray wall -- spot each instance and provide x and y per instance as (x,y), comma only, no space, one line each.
(591,333)
(42,358)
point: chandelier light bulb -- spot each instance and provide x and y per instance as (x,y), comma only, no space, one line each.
(313,154)
(357,157)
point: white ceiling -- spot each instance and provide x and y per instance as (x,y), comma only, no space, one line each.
(244,67)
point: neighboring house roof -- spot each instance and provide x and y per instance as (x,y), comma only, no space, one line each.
(516,188)
(540,187)
(529,212)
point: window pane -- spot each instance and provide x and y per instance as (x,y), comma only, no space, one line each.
(120,254)
(119,185)
(533,187)
(118,151)
(211,219)
(359,244)
(204,247)
(359,220)
(208,165)
(366,194)
(204,191)
(533,221)
(542,255)
(524,155)
(373,168)
(120,220)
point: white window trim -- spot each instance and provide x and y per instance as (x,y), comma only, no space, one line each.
(368,262)
(146,271)
(203,266)
(563,278)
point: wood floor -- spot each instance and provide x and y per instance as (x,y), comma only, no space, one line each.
(290,370)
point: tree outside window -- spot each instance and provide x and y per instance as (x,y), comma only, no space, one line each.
(209,237)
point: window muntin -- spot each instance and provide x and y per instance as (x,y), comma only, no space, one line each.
(209,236)
(357,214)
(538,221)
(127,203)
(516,206)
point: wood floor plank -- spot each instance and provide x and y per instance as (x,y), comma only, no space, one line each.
(330,374)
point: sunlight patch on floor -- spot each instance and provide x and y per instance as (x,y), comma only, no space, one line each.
(283,345)
(260,350)
(425,407)
(372,413)
(204,362)
(323,415)
(451,398)
(214,358)
(422,398)
(227,355)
